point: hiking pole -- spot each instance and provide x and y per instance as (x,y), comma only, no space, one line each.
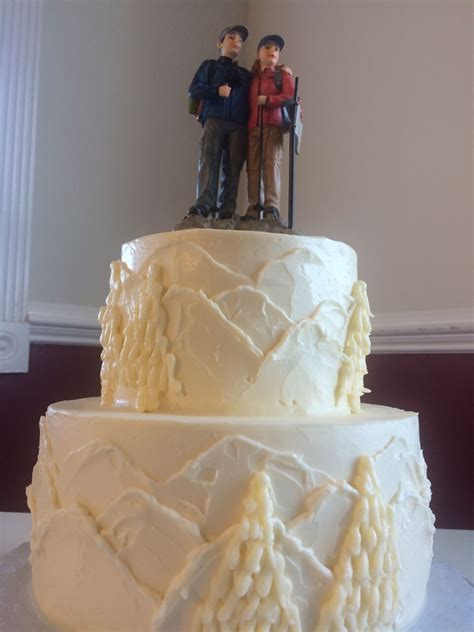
(260,171)
(219,161)
(291,183)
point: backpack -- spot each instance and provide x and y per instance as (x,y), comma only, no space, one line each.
(287,112)
(195,105)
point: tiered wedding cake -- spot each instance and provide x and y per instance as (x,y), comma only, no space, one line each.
(229,479)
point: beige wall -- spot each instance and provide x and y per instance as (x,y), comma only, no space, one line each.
(116,149)
(386,163)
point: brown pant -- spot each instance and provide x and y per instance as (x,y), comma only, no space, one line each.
(271,172)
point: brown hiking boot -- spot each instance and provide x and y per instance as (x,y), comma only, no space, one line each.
(252,213)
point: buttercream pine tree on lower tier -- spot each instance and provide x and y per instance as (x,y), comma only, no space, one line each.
(364,595)
(250,591)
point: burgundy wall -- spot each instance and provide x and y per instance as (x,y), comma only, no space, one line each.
(56,372)
(439,386)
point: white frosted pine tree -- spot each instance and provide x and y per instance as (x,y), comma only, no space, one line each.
(364,595)
(111,339)
(134,355)
(356,347)
(249,591)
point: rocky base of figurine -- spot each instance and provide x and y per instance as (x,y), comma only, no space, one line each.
(274,225)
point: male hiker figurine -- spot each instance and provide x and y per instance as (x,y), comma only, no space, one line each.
(222,88)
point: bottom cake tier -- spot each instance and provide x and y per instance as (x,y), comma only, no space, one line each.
(175,523)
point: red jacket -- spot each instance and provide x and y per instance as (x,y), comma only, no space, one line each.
(265,84)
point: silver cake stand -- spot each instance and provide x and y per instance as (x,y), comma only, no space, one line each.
(449,607)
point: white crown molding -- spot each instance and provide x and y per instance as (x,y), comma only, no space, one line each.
(20,38)
(436,331)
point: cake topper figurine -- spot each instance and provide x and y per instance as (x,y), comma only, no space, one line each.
(221,88)
(272,89)
(244,115)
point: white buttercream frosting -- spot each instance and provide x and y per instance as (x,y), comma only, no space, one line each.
(223,322)
(256,493)
(250,588)
(365,592)
(237,521)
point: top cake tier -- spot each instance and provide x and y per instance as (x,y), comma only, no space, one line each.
(235,322)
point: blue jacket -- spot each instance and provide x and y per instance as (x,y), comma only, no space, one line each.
(212,74)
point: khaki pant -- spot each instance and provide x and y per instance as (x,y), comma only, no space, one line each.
(272,159)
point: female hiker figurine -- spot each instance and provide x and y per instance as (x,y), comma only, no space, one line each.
(271,87)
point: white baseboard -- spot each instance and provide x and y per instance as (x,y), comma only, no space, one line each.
(60,324)
(434,331)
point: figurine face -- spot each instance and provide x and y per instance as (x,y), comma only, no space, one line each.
(231,45)
(269,54)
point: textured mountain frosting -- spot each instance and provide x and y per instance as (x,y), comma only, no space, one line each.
(169,523)
(211,321)
(228,479)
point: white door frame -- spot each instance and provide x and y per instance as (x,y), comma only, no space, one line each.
(20,43)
